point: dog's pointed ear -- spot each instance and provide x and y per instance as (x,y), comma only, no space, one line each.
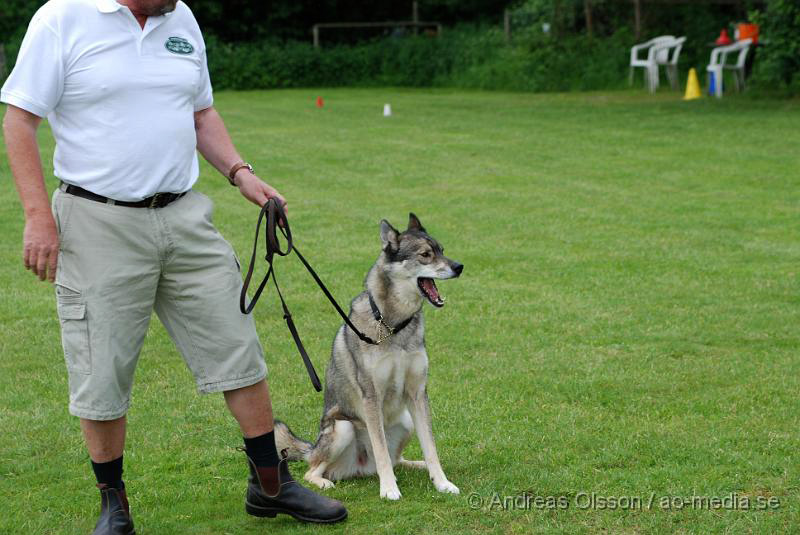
(389,236)
(414,224)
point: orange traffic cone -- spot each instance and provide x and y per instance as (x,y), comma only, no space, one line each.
(319,102)
(692,86)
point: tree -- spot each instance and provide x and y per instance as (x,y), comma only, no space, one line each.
(778,64)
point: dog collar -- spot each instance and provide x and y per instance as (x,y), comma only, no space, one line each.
(376,312)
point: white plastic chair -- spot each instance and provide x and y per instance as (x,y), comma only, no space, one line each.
(649,64)
(670,62)
(717,63)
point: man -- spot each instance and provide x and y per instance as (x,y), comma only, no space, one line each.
(125,87)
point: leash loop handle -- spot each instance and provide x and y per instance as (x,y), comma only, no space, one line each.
(274,213)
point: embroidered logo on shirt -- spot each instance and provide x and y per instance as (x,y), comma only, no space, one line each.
(178,45)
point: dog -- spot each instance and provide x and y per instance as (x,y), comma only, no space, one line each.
(376,395)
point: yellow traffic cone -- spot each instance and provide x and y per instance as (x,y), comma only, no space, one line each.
(692,86)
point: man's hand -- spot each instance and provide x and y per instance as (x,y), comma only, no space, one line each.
(40,246)
(256,190)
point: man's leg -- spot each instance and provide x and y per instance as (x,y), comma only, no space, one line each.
(198,303)
(252,408)
(105,439)
(108,271)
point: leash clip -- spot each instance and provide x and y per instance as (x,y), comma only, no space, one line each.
(389,331)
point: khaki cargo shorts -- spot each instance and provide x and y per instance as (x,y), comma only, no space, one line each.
(116,265)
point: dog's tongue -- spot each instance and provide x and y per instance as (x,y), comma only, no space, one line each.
(429,287)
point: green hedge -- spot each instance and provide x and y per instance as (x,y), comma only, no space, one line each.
(465,58)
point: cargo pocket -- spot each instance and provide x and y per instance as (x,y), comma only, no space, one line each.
(74,329)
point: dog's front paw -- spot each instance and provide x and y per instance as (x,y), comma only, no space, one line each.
(446,486)
(325,483)
(321,482)
(390,493)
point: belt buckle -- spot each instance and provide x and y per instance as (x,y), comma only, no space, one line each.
(155,201)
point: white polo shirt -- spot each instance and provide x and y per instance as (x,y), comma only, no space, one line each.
(120,99)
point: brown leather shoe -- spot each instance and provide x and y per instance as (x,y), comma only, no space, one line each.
(272,491)
(115,515)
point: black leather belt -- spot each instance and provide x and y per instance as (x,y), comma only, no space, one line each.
(159,200)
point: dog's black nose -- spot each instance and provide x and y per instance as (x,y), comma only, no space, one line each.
(458,268)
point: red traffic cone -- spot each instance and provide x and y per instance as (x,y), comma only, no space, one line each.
(319,102)
(723,38)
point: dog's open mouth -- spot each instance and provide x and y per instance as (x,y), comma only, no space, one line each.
(429,290)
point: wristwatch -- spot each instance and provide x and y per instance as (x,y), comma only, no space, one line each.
(235,169)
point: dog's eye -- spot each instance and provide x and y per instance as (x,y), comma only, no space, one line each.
(426,254)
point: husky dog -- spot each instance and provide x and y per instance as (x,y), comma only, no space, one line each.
(375,395)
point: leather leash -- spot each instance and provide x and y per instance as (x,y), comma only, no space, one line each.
(274,214)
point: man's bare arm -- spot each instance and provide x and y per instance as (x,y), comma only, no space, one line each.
(40,239)
(214,143)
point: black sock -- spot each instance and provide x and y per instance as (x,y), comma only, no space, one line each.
(262,449)
(109,473)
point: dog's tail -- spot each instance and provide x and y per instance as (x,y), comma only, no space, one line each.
(296,448)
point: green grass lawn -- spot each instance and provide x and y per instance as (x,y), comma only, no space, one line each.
(626,325)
